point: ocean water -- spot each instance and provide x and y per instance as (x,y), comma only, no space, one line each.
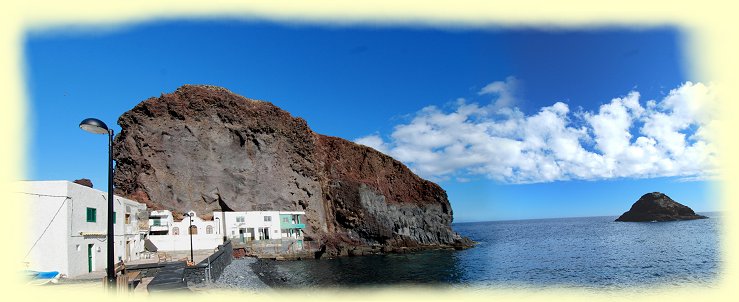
(589,252)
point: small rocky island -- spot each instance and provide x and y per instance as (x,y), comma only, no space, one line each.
(657,206)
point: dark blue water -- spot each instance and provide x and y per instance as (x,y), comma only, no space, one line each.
(591,252)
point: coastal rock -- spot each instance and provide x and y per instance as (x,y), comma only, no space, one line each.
(84,181)
(656,206)
(204,148)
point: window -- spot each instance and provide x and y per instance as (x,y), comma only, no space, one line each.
(194,230)
(209,229)
(128,218)
(156,222)
(239,218)
(267,218)
(92,215)
(285,220)
(114,217)
(175,231)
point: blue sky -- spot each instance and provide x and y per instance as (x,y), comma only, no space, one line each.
(360,82)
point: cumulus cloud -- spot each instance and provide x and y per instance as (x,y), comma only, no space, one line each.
(373,141)
(622,138)
(504,90)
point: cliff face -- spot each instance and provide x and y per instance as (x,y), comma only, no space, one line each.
(204,148)
(656,206)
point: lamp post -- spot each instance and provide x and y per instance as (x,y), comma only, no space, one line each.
(223,220)
(189,230)
(219,224)
(97,126)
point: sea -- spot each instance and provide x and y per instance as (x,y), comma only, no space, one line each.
(587,252)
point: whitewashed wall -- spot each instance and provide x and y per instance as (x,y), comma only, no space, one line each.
(64,245)
(182,242)
(253,219)
(46,226)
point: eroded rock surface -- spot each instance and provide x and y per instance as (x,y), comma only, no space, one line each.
(656,206)
(84,181)
(206,149)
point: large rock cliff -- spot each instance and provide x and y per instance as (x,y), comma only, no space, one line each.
(206,149)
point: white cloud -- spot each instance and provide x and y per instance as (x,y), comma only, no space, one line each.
(669,137)
(373,141)
(505,91)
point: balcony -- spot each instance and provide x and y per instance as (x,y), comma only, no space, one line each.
(158,228)
(289,225)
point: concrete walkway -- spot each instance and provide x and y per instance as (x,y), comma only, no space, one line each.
(173,264)
(99,275)
(174,256)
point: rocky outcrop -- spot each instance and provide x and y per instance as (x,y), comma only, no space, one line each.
(84,182)
(656,206)
(204,148)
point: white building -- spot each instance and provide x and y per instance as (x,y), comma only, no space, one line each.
(67,227)
(169,235)
(262,225)
(160,222)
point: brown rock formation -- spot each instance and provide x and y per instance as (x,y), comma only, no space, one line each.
(84,181)
(204,148)
(656,206)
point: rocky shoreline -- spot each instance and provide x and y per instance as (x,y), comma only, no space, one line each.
(263,274)
(241,274)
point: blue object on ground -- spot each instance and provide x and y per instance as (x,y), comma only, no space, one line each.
(46,275)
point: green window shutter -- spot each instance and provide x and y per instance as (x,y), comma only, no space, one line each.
(91,215)
(114,217)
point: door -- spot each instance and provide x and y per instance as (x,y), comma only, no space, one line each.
(128,250)
(263,233)
(90,248)
(241,235)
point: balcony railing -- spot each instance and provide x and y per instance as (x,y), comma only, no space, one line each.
(289,225)
(157,228)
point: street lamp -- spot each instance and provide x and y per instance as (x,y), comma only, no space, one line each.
(189,230)
(219,224)
(97,126)
(225,230)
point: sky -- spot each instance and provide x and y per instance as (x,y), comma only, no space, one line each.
(513,123)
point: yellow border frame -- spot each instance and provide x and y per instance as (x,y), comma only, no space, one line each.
(712,49)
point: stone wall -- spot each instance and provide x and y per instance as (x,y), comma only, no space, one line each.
(212,267)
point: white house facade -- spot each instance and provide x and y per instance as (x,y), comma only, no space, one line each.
(67,227)
(169,235)
(262,225)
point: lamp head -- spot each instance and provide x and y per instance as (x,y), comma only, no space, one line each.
(94,125)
